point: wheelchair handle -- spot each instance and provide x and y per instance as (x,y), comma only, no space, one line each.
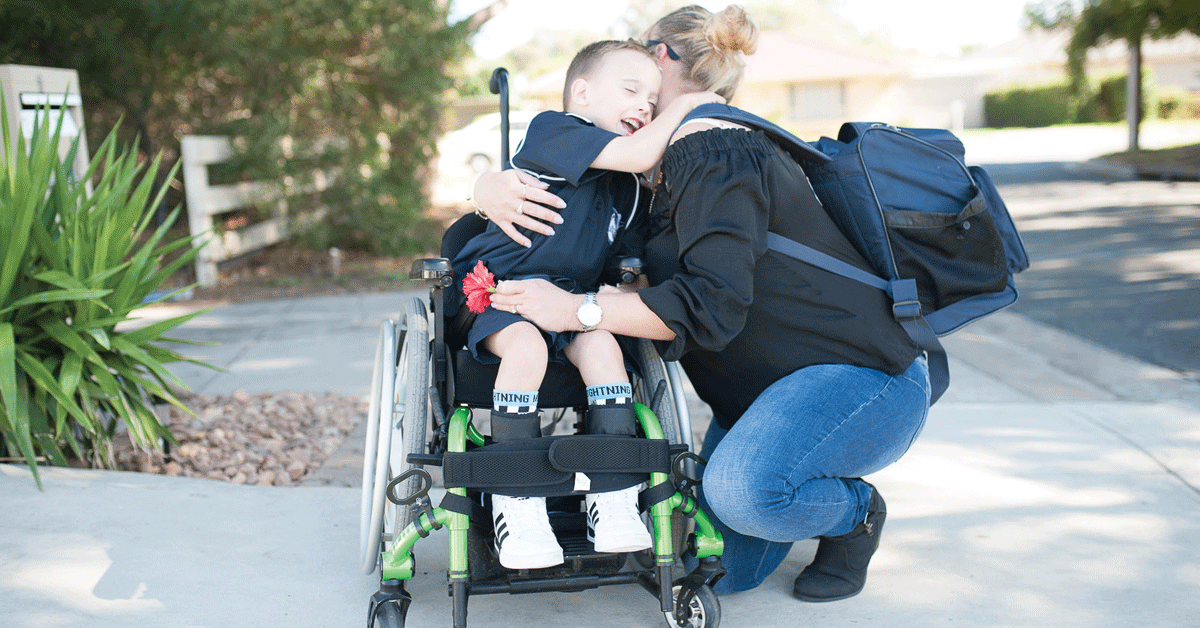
(499,85)
(684,482)
(423,487)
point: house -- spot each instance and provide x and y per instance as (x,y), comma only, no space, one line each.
(807,87)
(811,87)
(1038,57)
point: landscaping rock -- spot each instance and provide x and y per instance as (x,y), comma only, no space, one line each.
(268,439)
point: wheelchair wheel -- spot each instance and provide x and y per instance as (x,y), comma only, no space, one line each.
(398,411)
(704,611)
(389,616)
(673,416)
(654,371)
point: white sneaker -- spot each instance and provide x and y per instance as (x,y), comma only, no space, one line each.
(614,525)
(524,538)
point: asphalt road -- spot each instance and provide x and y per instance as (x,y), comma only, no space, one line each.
(1114,260)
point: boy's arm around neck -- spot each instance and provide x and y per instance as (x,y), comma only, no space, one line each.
(643,150)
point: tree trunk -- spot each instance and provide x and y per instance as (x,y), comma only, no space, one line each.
(482,16)
(1133,92)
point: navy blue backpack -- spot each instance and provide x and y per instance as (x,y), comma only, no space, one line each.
(939,237)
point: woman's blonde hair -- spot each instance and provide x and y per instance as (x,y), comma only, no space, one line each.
(710,45)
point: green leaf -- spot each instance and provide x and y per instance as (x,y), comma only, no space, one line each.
(54,296)
(46,381)
(136,353)
(70,372)
(154,331)
(60,279)
(71,340)
(100,336)
(8,372)
(17,424)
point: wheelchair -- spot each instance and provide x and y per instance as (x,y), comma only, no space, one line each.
(424,387)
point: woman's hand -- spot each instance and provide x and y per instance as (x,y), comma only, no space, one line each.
(511,198)
(545,304)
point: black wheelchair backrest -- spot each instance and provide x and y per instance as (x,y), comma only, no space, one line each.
(457,234)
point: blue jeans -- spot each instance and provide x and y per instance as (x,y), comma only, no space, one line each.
(790,469)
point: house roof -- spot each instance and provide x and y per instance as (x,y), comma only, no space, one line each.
(549,83)
(780,58)
(1040,48)
(788,58)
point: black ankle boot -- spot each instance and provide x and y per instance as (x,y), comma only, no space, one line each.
(839,569)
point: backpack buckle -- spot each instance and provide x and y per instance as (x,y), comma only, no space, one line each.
(906,310)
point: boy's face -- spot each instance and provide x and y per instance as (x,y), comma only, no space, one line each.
(620,94)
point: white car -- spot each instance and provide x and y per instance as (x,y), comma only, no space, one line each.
(477,145)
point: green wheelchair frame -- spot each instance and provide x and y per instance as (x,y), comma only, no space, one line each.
(679,601)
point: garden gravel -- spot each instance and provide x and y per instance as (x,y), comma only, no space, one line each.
(266,439)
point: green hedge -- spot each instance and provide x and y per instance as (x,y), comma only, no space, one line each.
(1044,105)
(1028,106)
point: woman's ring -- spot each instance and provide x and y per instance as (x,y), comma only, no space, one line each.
(520,207)
(524,190)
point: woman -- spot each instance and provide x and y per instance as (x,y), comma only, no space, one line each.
(811,381)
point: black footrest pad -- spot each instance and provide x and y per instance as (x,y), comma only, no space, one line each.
(610,454)
(542,467)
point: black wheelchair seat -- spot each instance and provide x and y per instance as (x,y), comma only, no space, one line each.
(562,387)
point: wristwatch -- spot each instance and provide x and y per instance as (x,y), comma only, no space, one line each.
(589,313)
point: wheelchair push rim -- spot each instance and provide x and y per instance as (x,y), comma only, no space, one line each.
(396,426)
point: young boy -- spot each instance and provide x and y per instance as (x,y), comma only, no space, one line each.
(589,154)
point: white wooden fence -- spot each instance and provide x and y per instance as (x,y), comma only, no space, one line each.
(204,201)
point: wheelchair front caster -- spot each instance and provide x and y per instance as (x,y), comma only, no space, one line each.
(389,606)
(389,616)
(703,610)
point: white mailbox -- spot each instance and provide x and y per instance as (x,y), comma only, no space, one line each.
(31,91)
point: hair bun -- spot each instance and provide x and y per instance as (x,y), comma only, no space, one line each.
(732,31)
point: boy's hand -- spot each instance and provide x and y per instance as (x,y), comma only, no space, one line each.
(704,98)
(691,100)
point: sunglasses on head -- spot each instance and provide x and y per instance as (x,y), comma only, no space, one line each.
(670,53)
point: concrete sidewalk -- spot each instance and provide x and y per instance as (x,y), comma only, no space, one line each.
(1055,485)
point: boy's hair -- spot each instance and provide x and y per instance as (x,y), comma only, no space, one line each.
(587,59)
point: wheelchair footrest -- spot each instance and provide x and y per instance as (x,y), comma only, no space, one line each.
(542,467)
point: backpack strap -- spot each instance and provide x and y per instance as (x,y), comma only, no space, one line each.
(800,150)
(906,309)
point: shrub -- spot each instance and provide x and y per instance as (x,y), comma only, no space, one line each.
(1109,99)
(1171,104)
(1028,106)
(73,265)
(1057,104)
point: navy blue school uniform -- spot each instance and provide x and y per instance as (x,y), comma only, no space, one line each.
(601,206)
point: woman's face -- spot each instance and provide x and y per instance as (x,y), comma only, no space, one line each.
(673,81)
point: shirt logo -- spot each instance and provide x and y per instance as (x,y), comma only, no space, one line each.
(614,225)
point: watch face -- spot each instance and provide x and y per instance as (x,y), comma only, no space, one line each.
(589,314)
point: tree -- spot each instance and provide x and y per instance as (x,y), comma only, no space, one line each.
(1100,21)
(354,87)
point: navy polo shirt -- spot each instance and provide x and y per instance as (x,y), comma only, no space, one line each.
(559,148)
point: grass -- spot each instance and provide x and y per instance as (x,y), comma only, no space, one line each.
(1176,159)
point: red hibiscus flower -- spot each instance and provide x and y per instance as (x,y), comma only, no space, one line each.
(478,285)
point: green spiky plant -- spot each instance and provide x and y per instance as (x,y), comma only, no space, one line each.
(74,264)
